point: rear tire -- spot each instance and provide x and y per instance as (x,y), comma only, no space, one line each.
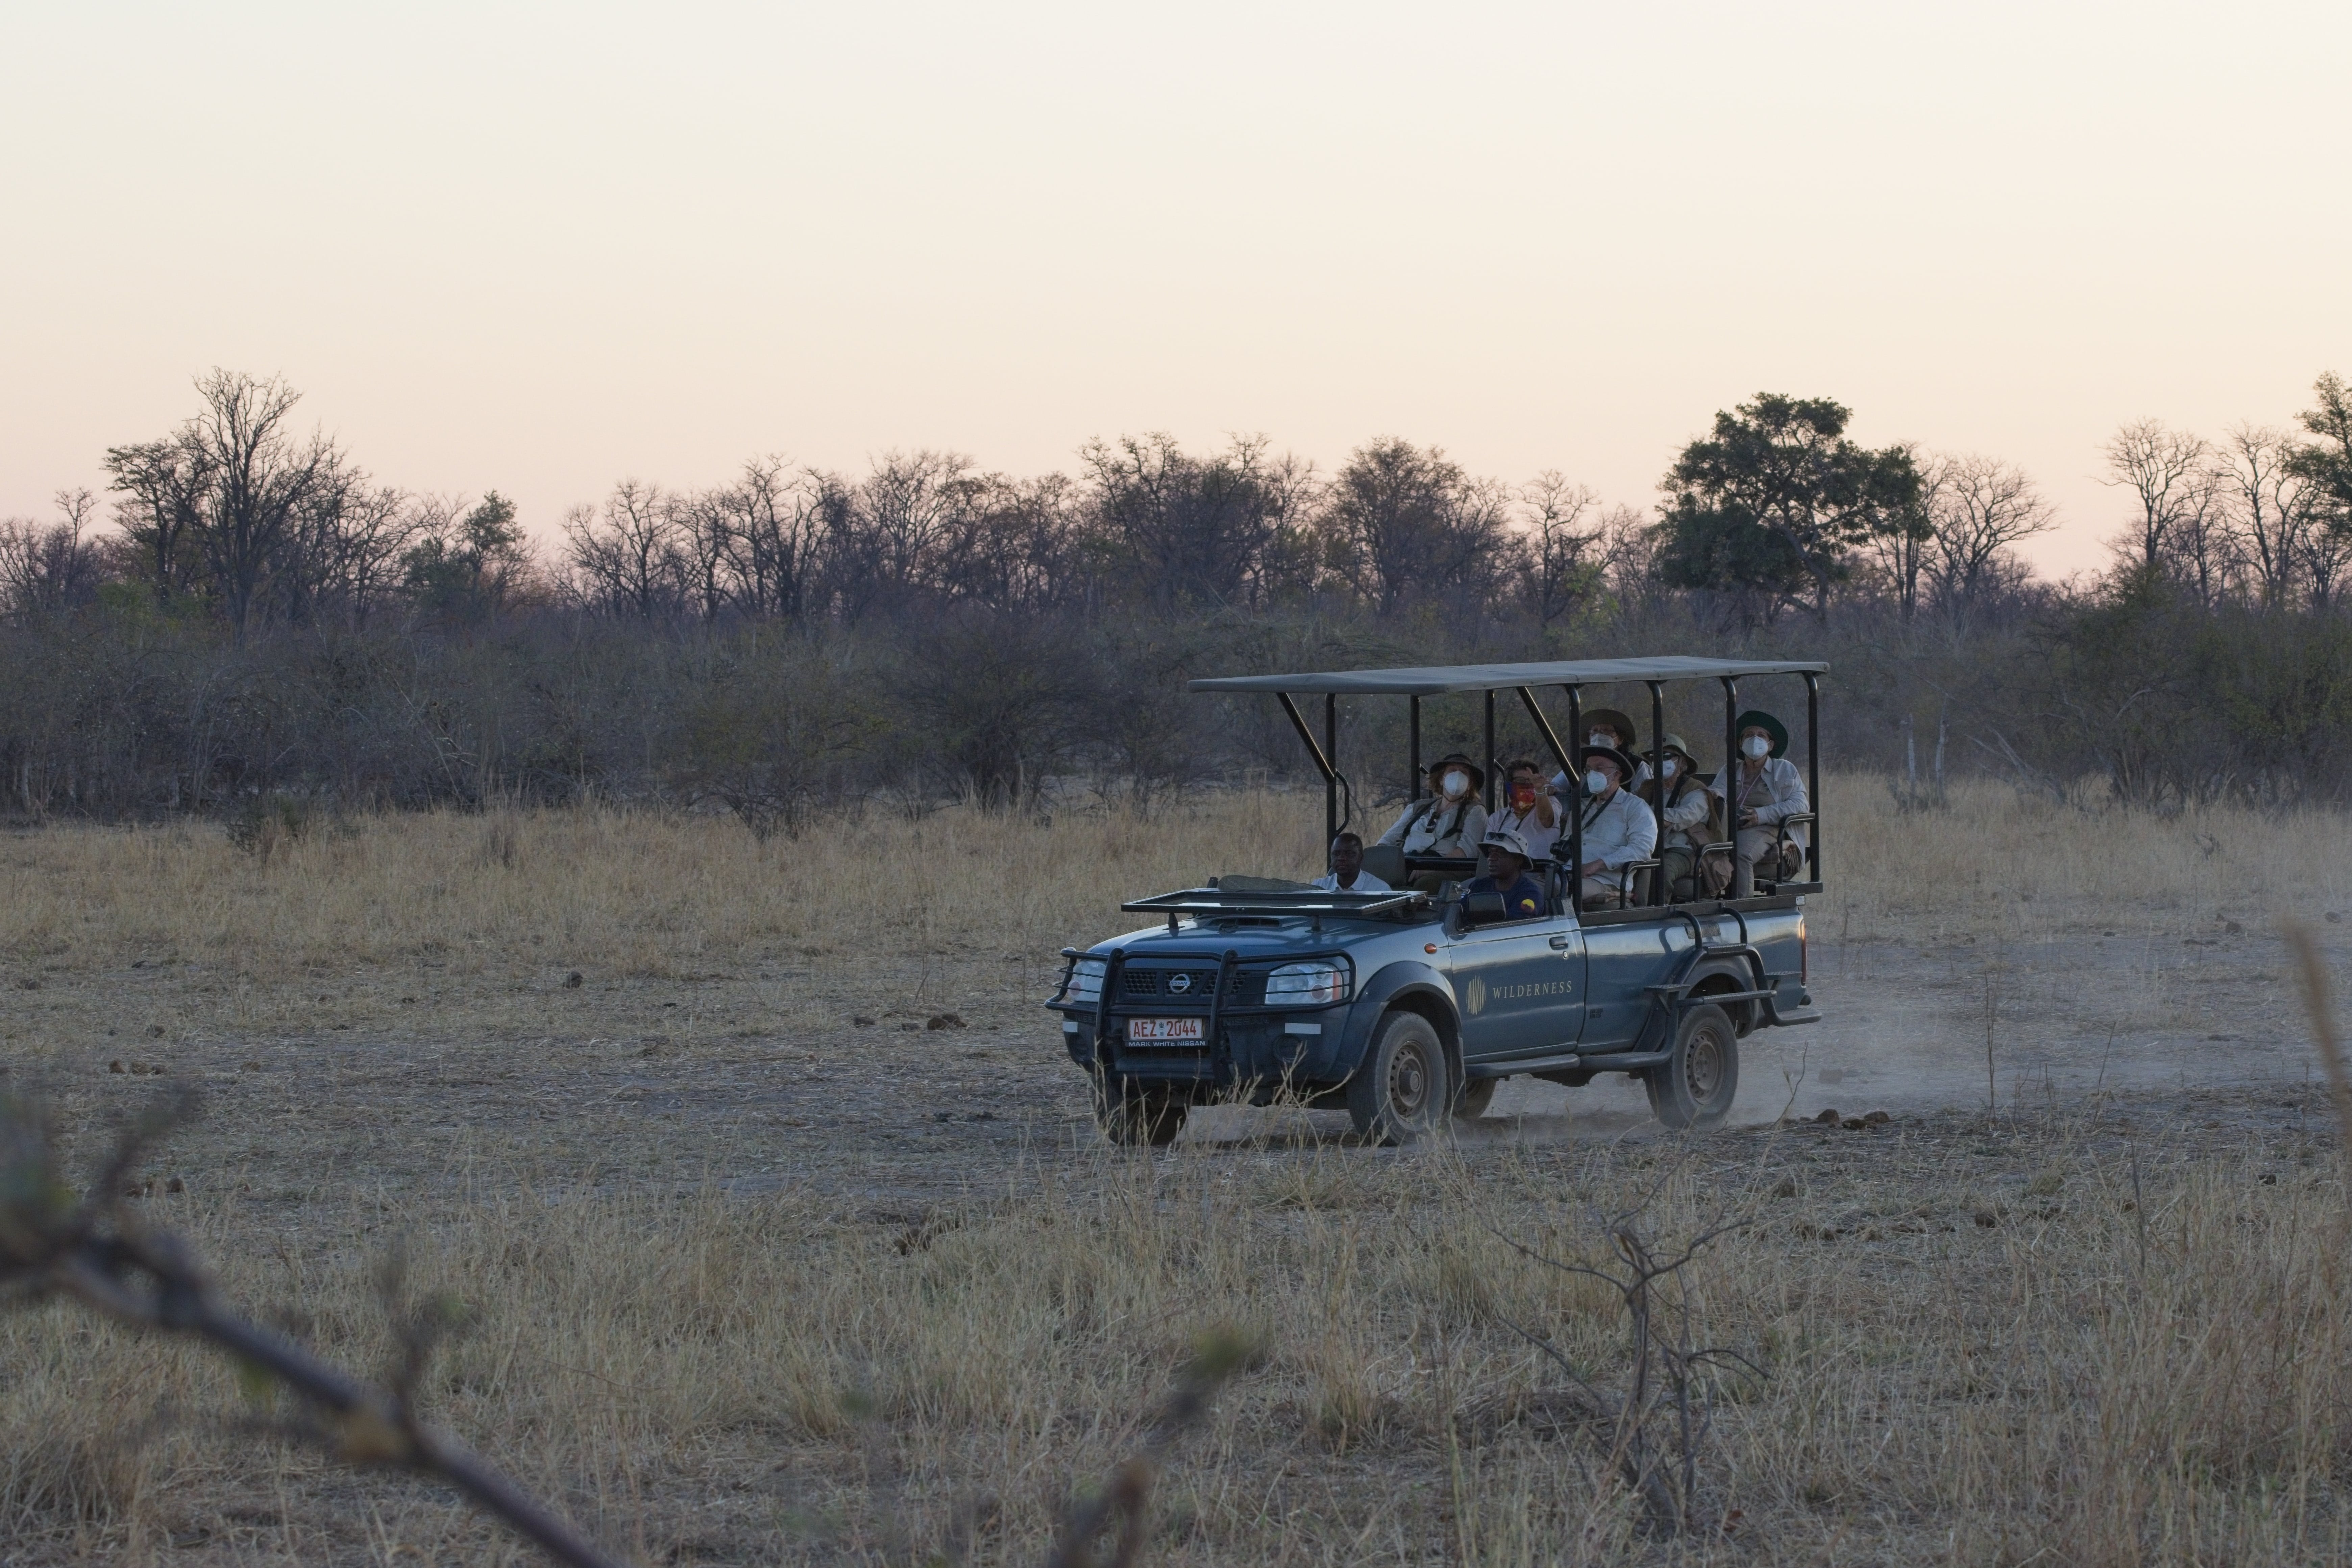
(1475,1097)
(1403,1088)
(1135,1117)
(1696,1086)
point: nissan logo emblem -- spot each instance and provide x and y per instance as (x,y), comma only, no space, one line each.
(1179,983)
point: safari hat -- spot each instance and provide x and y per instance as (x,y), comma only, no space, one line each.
(1477,774)
(1626,766)
(1609,718)
(1506,839)
(1674,743)
(1769,725)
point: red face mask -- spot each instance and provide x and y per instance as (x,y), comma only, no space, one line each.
(1523,795)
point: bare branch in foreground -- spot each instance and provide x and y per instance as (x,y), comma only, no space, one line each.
(97,1252)
(2312,971)
(1125,1496)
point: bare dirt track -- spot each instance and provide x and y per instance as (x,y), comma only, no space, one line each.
(678,1082)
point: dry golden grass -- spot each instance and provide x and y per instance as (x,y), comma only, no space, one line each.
(2109,1338)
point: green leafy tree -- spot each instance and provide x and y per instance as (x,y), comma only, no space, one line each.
(1772,503)
(2326,462)
(470,566)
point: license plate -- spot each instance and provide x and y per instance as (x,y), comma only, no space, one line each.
(1163,1031)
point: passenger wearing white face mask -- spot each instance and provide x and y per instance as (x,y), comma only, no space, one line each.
(1608,727)
(1767,791)
(1619,828)
(1450,821)
(1687,824)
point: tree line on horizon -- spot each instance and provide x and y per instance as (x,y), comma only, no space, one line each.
(254,612)
(241,519)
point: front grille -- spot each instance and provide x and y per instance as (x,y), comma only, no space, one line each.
(1195,984)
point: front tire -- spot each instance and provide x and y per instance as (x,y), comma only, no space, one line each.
(1696,1086)
(1475,1097)
(1402,1088)
(1135,1117)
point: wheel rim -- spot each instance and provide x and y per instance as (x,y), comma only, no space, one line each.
(1408,1081)
(1702,1065)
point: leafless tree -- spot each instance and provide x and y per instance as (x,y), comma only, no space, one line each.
(240,484)
(1017,544)
(1562,535)
(342,554)
(754,543)
(1979,510)
(2269,509)
(2168,473)
(46,568)
(1195,529)
(629,558)
(1414,523)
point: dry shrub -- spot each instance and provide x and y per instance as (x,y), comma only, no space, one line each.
(656,893)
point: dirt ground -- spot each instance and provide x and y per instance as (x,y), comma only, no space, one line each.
(718,1079)
(484,1035)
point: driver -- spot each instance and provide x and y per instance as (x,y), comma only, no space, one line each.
(1347,874)
(1451,821)
(1506,873)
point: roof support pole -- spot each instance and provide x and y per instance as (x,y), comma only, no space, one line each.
(1575,803)
(1729,777)
(1298,722)
(1412,784)
(1659,892)
(1813,769)
(1543,727)
(1330,767)
(1486,768)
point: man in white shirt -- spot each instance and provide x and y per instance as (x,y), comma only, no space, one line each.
(1620,828)
(1347,874)
(1768,792)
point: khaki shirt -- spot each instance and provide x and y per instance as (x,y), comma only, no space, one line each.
(1774,794)
(1430,826)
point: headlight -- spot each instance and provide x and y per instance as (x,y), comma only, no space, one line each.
(1086,981)
(1307,986)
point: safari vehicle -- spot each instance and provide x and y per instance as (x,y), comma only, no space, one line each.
(1409,1007)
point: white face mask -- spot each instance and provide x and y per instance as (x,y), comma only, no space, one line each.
(1596,783)
(1601,738)
(1757,746)
(1455,783)
(1668,768)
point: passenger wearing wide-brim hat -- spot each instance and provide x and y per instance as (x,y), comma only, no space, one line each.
(1449,821)
(1618,827)
(1765,790)
(1687,822)
(1608,727)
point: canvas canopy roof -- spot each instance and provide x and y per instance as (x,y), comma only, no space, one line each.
(1434,680)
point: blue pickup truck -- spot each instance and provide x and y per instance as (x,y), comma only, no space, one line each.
(1409,1007)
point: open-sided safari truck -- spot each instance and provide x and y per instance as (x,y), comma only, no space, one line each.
(1410,1006)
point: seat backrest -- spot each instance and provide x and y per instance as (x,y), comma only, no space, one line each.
(1386,861)
(1482,908)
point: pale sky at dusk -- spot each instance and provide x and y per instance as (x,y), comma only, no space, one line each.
(540,248)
